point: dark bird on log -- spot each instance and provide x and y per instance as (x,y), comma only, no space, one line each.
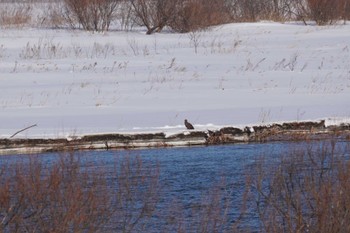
(188,125)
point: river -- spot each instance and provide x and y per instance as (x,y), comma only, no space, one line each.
(190,179)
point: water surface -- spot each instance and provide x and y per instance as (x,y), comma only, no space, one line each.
(188,175)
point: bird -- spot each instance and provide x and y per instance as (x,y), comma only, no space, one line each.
(188,125)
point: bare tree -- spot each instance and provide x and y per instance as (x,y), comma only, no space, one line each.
(326,11)
(94,15)
(153,14)
(193,15)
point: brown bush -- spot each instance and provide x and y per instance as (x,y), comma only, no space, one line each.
(195,15)
(307,191)
(15,14)
(153,14)
(255,10)
(179,15)
(64,197)
(326,11)
(347,10)
(39,200)
(55,15)
(92,15)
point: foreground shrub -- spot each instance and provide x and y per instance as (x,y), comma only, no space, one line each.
(255,10)
(307,191)
(179,15)
(65,197)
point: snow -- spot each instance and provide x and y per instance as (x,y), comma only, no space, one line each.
(72,83)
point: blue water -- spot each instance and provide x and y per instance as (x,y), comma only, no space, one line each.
(188,174)
(182,170)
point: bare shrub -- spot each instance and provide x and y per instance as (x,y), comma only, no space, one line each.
(307,191)
(65,197)
(153,14)
(15,14)
(248,10)
(195,15)
(255,10)
(277,10)
(213,212)
(321,11)
(55,15)
(92,15)
(326,11)
(59,199)
(346,10)
(181,16)
(300,10)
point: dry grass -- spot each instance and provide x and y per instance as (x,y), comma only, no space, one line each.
(15,14)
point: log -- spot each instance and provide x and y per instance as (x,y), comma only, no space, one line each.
(23,130)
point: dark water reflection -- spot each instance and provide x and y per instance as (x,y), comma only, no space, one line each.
(187,175)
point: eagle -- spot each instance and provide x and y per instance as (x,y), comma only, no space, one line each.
(188,125)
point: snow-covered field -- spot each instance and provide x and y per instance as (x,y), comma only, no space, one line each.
(76,82)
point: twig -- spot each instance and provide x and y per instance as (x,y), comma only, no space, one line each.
(23,130)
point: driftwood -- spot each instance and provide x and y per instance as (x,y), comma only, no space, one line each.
(294,131)
(23,130)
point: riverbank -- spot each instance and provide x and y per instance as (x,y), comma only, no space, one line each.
(293,131)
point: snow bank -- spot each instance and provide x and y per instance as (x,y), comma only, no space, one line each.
(73,83)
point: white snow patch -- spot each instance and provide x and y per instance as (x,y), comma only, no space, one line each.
(336,121)
(128,82)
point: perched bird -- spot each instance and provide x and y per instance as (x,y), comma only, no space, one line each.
(188,125)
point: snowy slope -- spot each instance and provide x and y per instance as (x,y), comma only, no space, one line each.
(75,82)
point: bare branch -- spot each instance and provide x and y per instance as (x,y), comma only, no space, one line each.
(23,130)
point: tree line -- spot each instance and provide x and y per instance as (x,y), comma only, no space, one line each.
(191,15)
(176,15)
